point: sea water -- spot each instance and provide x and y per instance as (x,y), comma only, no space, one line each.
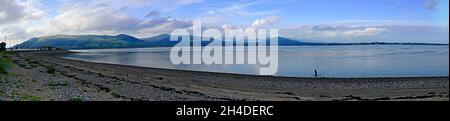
(301,61)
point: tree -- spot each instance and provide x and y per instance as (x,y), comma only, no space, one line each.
(3,46)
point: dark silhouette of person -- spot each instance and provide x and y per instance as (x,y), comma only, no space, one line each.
(3,46)
(315,72)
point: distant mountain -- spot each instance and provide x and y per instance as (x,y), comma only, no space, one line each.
(84,42)
(163,40)
(161,37)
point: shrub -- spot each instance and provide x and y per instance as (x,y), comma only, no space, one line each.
(51,70)
(4,64)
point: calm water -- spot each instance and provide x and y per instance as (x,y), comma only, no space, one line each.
(300,61)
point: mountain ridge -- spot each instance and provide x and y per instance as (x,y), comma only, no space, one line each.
(163,40)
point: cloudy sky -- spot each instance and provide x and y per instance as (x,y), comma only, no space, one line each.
(307,20)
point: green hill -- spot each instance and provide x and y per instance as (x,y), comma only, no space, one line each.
(84,42)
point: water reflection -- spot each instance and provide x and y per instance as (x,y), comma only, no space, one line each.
(300,61)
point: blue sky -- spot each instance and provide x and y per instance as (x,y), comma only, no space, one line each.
(307,20)
(316,11)
(323,11)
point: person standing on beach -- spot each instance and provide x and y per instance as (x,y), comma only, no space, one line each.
(315,72)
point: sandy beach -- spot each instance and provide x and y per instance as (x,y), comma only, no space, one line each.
(44,75)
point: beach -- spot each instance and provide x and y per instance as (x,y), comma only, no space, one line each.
(45,75)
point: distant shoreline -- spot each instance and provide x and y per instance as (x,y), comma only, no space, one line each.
(280,45)
(88,42)
(120,82)
(322,44)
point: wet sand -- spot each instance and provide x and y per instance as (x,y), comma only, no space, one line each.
(97,81)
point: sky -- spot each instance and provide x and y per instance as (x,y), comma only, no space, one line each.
(306,20)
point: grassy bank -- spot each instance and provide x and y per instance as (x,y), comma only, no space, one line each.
(5,61)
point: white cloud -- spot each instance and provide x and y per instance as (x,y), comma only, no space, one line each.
(153,14)
(330,33)
(19,17)
(80,18)
(230,12)
(432,4)
(227,26)
(189,1)
(370,31)
(107,20)
(10,11)
(267,21)
(258,23)
(242,8)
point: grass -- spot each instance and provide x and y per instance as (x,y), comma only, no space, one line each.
(5,62)
(30,98)
(51,70)
(7,52)
(76,99)
(32,63)
(66,83)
